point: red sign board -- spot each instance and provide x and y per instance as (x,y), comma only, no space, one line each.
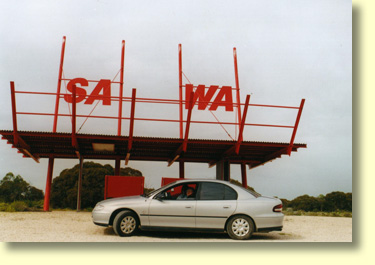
(120,186)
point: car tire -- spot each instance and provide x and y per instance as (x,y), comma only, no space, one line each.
(126,223)
(240,227)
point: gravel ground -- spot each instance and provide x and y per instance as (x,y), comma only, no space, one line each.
(70,226)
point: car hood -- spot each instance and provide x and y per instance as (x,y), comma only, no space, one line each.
(121,200)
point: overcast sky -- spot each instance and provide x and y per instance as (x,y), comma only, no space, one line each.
(287,50)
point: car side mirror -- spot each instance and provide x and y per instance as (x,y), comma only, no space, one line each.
(161,196)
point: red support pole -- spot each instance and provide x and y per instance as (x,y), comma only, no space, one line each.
(296,126)
(121,89)
(14,113)
(182,169)
(59,85)
(117,167)
(74,116)
(243,175)
(47,194)
(180,87)
(79,193)
(237,85)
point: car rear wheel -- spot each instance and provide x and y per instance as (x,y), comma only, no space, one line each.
(126,223)
(240,227)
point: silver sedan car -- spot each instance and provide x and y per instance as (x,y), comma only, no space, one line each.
(193,205)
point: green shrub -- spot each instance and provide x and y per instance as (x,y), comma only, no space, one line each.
(19,206)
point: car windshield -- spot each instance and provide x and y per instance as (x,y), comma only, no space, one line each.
(154,192)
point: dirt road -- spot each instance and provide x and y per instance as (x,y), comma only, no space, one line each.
(70,226)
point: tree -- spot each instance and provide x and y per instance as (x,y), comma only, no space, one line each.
(338,200)
(64,187)
(15,188)
(305,203)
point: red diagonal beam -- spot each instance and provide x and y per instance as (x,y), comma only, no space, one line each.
(14,113)
(236,147)
(296,126)
(59,85)
(242,126)
(187,128)
(183,146)
(180,87)
(237,85)
(131,126)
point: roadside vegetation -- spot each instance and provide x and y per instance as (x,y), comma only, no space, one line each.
(16,195)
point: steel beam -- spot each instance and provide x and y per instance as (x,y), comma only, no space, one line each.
(242,126)
(296,126)
(59,85)
(237,85)
(74,117)
(181,169)
(243,175)
(121,89)
(180,88)
(117,167)
(183,146)
(79,188)
(131,125)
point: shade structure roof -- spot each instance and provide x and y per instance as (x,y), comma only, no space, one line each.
(109,147)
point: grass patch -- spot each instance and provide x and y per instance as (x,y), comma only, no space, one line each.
(22,206)
(328,214)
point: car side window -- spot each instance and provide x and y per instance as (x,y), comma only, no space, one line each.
(185,191)
(216,191)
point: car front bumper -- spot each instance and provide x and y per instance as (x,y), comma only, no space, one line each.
(100,218)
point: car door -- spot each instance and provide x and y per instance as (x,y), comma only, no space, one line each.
(171,211)
(215,203)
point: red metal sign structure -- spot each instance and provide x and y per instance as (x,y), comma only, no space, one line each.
(118,147)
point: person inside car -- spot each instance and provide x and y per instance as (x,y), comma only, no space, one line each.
(187,194)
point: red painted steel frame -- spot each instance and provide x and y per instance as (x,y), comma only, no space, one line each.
(59,85)
(121,88)
(25,148)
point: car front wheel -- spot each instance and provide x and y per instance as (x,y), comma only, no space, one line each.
(240,227)
(126,223)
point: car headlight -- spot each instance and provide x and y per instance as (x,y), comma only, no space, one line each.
(99,207)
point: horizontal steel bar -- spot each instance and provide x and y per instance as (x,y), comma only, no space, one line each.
(92,81)
(161,120)
(160,101)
